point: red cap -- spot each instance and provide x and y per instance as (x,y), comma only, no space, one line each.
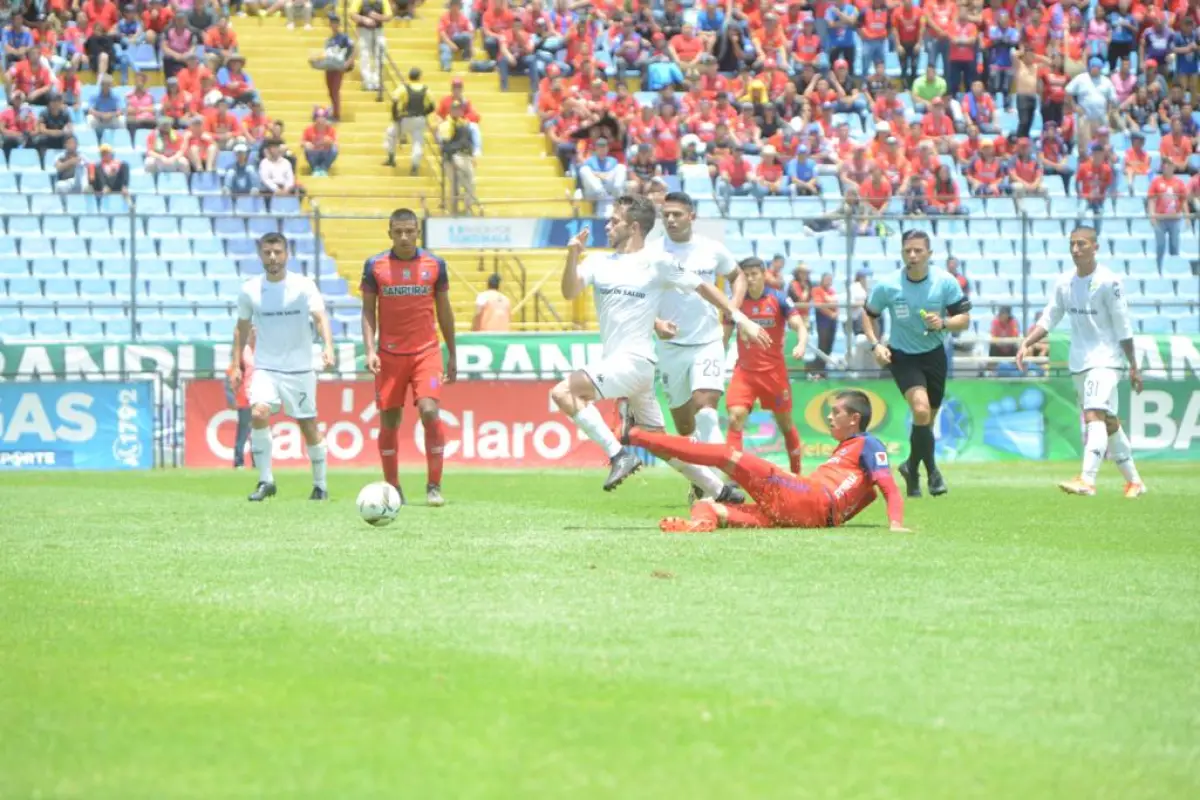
(658,37)
(553,70)
(841,63)
(1150,62)
(456,81)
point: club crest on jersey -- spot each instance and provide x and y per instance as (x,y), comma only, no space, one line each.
(407,275)
(881,458)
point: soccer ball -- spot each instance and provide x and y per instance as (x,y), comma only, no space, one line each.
(378,503)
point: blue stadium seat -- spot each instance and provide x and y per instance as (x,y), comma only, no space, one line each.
(92,226)
(159,289)
(151,204)
(229,288)
(81,204)
(60,289)
(47,268)
(743,207)
(191,329)
(225,161)
(183,204)
(144,58)
(260,226)
(298,227)
(993,288)
(175,248)
(187,268)
(58,226)
(25,226)
(119,330)
(177,309)
(172,183)
(1158,288)
(198,289)
(156,328)
(50,328)
(216,204)
(219,319)
(337,287)
(14,328)
(10,201)
(285,205)
(1173,267)
(113,204)
(206,183)
(119,139)
(249,267)
(145,247)
(162,226)
(1128,248)
(36,309)
(249,205)
(108,247)
(208,248)
(142,183)
(70,247)
(196,228)
(765,246)
(116,269)
(230,227)
(241,248)
(756,227)
(87,330)
(741,248)
(24,288)
(776,207)
(8,247)
(95,288)
(220,268)
(14,268)
(23,159)
(152,269)
(9,184)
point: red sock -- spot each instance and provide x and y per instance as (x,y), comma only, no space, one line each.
(433,451)
(388,457)
(733,439)
(791,438)
(666,445)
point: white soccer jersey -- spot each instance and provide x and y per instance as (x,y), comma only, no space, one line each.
(629,289)
(1099,318)
(699,322)
(280,312)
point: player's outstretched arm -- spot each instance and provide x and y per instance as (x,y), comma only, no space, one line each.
(749,329)
(572,282)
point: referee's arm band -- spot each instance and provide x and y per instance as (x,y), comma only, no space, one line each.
(872,313)
(961,307)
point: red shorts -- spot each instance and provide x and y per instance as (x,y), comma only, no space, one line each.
(782,499)
(397,373)
(772,390)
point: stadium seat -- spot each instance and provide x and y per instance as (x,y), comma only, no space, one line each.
(260,226)
(113,204)
(92,226)
(1158,288)
(177,309)
(49,329)
(70,247)
(208,247)
(776,207)
(767,247)
(249,205)
(156,328)
(60,289)
(37,309)
(25,226)
(299,227)
(187,268)
(195,228)
(108,247)
(757,227)
(191,329)
(86,329)
(183,204)
(172,183)
(24,159)
(174,248)
(220,268)
(141,184)
(118,330)
(82,204)
(24,288)
(95,288)
(14,268)
(743,207)
(1176,267)
(148,204)
(285,205)
(13,328)
(59,226)
(162,226)
(158,289)
(1128,248)
(10,186)
(241,248)
(228,288)
(206,183)
(47,268)
(230,227)
(217,204)
(336,287)
(44,203)
(198,289)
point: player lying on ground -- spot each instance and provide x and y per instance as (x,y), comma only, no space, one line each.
(691,346)
(834,493)
(403,290)
(279,305)
(629,285)
(760,373)
(1101,344)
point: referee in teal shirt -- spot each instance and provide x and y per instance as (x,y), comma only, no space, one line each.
(925,305)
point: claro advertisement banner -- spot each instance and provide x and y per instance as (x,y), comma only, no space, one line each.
(95,425)
(493,424)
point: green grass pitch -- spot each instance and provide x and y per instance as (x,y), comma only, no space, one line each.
(161,637)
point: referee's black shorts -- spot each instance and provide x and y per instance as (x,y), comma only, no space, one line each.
(926,369)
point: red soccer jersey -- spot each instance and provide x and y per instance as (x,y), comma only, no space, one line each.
(771,311)
(851,474)
(406,288)
(1167,195)
(1093,183)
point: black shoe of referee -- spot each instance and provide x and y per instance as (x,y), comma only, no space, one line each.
(624,464)
(937,484)
(262,492)
(912,480)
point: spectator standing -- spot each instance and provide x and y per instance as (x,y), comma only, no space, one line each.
(824,300)
(963,52)
(1095,98)
(335,61)
(369,17)
(459,149)
(908,38)
(411,107)
(70,170)
(1166,203)
(493,311)
(109,175)
(242,178)
(320,144)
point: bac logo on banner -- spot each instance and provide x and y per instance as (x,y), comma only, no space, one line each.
(100,425)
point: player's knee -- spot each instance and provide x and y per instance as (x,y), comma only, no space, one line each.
(561,396)
(260,415)
(1112,425)
(922,414)
(428,415)
(705,398)
(390,418)
(737,418)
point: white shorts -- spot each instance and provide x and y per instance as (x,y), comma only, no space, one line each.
(630,377)
(296,392)
(1097,389)
(688,368)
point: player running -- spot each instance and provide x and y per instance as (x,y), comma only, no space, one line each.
(1100,334)
(760,373)
(403,289)
(835,492)
(279,305)
(629,285)
(924,306)
(691,346)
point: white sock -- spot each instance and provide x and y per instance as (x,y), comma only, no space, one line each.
(708,427)
(316,454)
(591,423)
(1094,444)
(260,446)
(1121,453)
(705,478)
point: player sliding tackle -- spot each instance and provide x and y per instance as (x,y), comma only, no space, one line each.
(761,373)
(1100,333)
(835,492)
(279,305)
(629,285)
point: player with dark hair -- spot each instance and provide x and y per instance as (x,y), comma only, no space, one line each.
(835,492)
(924,305)
(760,373)
(403,290)
(278,306)
(629,285)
